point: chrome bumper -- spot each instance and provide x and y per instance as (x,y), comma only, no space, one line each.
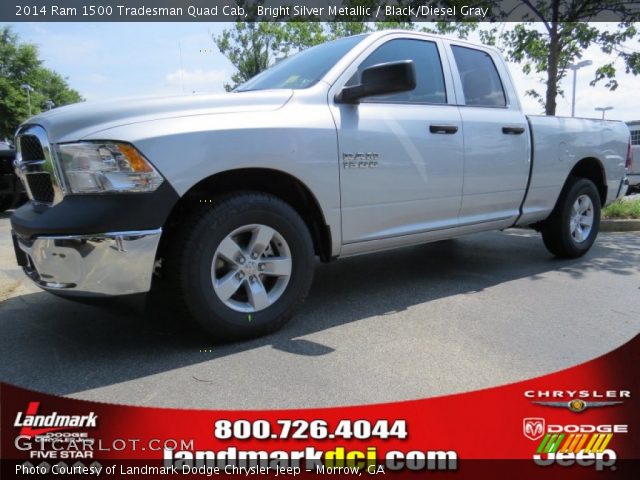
(118,263)
(624,186)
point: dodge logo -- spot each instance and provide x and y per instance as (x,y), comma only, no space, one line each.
(533,428)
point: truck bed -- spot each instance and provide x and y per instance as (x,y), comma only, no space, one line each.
(557,143)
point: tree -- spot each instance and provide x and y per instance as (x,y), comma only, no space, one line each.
(554,35)
(254,46)
(20,65)
(564,33)
(251,47)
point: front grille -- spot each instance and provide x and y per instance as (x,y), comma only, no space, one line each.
(35,165)
(40,186)
(30,148)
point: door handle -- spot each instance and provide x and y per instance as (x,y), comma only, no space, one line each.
(450,129)
(512,130)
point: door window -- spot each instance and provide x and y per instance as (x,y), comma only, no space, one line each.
(429,77)
(480,80)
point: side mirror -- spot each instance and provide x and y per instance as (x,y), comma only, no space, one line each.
(381,79)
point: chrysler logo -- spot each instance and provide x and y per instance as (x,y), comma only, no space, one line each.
(577,405)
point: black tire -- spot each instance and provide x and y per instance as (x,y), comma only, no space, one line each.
(194,254)
(556,230)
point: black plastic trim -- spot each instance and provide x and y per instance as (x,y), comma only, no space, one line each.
(526,190)
(85,214)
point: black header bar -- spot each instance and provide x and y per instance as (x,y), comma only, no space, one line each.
(308,10)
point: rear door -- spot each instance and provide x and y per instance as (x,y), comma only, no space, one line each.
(401,154)
(496,136)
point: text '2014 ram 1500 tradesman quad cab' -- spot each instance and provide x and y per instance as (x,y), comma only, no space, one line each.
(361,144)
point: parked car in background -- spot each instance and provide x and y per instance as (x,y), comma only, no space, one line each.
(634,172)
(11,190)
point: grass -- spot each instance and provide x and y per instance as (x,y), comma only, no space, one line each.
(623,209)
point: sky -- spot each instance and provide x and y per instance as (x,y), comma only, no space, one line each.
(110,60)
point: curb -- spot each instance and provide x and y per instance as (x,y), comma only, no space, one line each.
(619,225)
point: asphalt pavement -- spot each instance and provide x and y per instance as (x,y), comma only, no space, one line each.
(430,320)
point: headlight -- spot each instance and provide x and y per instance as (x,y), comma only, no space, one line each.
(103,167)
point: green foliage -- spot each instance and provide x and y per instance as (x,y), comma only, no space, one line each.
(19,65)
(251,47)
(623,208)
(561,35)
(457,29)
(555,36)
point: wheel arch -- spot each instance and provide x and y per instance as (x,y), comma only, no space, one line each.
(592,169)
(275,182)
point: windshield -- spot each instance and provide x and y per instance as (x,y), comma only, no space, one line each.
(302,69)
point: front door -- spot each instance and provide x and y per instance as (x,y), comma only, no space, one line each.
(401,155)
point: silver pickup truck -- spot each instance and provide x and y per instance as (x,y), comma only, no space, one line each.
(362,144)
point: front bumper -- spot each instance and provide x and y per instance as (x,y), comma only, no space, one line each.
(118,263)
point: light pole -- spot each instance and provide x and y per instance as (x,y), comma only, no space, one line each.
(603,109)
(575,67)
(28,88)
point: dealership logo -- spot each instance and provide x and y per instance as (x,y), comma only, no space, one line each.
(30,419)
(577,401)
(599,460)
(533,428)
(574,443)
(584,449)
(566,445)
(577,405)
(575,437)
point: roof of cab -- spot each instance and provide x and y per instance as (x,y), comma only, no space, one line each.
(382,33)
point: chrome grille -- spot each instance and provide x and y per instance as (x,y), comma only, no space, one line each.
(35,166)
(40,187)
(30,148)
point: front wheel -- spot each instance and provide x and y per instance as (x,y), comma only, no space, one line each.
(245,265)
(573,225)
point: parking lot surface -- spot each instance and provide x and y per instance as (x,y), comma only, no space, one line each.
(430,320)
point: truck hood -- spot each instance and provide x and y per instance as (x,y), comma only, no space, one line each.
(75,122)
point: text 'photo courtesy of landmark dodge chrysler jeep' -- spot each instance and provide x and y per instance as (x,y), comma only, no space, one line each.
(354,146)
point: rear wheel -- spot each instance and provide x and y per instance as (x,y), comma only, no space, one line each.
(573,225)
(245,265)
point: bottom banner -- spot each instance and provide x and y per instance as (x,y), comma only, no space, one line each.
(581,422)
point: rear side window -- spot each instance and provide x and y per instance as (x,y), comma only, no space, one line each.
(429,77)
(481,83)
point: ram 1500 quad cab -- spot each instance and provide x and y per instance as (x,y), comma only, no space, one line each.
(358,145)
